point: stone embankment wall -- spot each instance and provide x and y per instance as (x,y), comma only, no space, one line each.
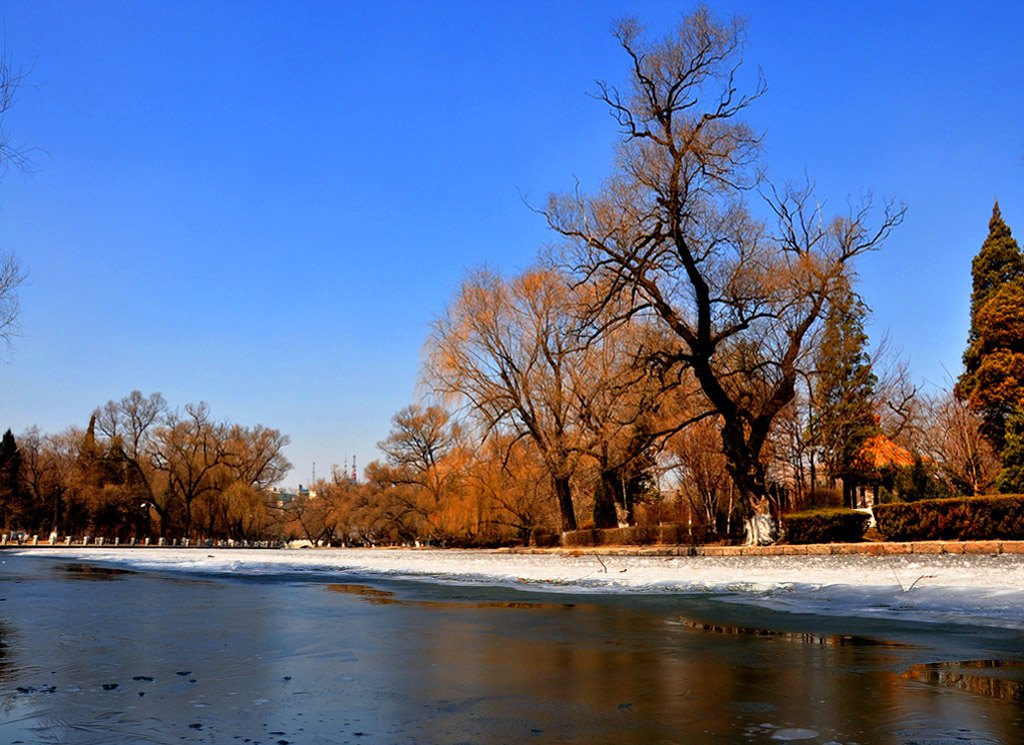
(819,549)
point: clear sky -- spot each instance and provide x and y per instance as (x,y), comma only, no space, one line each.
(262,205)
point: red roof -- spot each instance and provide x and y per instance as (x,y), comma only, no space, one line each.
(880,452)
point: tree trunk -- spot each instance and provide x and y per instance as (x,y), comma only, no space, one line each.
(746,471)
(605,515)
(563,494)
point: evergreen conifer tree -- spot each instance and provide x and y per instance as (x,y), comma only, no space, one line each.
(844,385)
(998,263)
(12,492)
(993,379)
(1011,477)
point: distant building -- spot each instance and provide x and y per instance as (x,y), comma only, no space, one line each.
(284,498)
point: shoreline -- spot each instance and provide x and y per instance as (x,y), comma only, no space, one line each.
(930,548)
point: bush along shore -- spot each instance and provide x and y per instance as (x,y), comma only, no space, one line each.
(966,525)
(987,524)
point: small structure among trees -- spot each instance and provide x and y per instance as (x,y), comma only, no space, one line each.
(876,466)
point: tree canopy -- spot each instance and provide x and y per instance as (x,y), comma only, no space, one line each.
(672,231)
(993,378)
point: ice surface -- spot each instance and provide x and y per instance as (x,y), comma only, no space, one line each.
(945,588)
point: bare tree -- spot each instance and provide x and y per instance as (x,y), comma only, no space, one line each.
(510,479)
(11,156)
(695,454)
(951,438)
(47,464)
(423,470)
(129,424)
(671,230)
(193,451)
(11,277)
(257,457)
(506,349)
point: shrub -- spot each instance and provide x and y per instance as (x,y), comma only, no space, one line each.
(580,538)
(918,482)
(643,535)
(885,496)
(691,535)
(542,538)
(824,497)
(825,526)
(962,519)
(636,535)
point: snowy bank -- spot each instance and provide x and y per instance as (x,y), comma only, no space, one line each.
(945,588)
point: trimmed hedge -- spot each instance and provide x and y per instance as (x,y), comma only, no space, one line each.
(961,519)
(825,526)
(541,538)
(640,535)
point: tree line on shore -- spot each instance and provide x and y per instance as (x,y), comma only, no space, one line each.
(141,469)
(691,348)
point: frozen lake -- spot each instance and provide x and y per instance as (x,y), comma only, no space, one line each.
(207,646)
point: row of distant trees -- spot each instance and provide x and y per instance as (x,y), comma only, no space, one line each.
(142,469)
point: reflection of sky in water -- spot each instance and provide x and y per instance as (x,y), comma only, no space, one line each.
(332,658)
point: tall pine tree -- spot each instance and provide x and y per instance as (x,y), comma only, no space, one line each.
(844,386)
(993,379)
(1011,477)
(13,496)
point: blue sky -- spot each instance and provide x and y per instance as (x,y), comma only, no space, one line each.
(263,205)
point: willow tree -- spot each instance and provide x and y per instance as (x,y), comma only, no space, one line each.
(671,230)
(506,349)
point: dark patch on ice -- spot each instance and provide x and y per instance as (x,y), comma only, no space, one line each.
(518,605)
(376,595)
(34,689)
(111,686)
(1002,679)
(365,592)
(143,678)
(183,673)
(836,640)
(93,572)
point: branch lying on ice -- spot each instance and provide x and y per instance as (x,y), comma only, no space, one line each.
(912,584)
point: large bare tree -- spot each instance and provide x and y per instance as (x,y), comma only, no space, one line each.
(11,156)
(193,452)
(671,229)
(507,350)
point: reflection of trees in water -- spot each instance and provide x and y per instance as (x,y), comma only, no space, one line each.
(592,670)
(1002,679)
(838,640)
